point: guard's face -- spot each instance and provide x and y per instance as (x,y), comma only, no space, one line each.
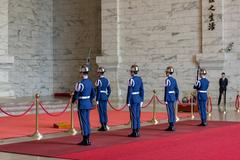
(98,74)
(81,74)
(131,73)
(167,74)
(223,75)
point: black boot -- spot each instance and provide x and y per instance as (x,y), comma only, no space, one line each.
(88,141)
(133,134)
(137,133)
(84,141)
(105,127)
(170,127)
(203,124)
(101,128)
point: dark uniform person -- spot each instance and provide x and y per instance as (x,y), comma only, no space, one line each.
(202,86)
(223,82)
(103,93)
(135,97)
(84,93)
(171,94)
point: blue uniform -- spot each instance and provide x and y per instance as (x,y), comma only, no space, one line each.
(170,96)
(103,93)
(135,97)
(202,87)
(84,93)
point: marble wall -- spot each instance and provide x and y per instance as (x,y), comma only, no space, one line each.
(6,61)
(77,28)
(30,42)
(153,34)
(49,40)
(158,33)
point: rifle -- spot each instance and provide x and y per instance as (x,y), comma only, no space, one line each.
(198,70)
(89,58)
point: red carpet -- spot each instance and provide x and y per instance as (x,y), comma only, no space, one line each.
(24,126)
(217,141)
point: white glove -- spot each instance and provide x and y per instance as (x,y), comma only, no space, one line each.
(97,102)
(141,104)
(166,103)
(128,105)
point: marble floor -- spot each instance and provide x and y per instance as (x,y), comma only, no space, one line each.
(230,115)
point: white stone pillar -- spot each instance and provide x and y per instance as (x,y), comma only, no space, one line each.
(111,53)
(6,61)
(212,13)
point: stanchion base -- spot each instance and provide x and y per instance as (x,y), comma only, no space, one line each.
(192,117)
(37,135)
(72,131)
(177,119)
(108,128)
(154,121)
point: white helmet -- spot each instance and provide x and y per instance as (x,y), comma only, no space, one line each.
(169,69)
(84,69)
(203,71)
(101,70)
(134,68)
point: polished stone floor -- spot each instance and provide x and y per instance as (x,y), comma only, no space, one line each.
(230,115)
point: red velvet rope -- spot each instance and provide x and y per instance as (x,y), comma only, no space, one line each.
(20,115)
(237,102)
(121,108)
(159,101)
(149,102)
(209,105)
(55,115)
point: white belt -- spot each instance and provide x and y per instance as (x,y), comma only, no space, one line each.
(104,92)
(202,91)
(135,93)
(171,92)
(84,97)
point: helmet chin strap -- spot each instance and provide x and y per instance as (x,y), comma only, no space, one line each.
(85,76)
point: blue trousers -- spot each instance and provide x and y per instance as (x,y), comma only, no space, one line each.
(102,110)
(135,112)
(83,115)
(202,107)
(171,112)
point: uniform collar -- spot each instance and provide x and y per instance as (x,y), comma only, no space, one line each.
(169,75)
(101,76)
(85,76)
(203,76)
(135,75)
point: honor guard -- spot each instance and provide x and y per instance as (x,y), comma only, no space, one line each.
(202,86)
(170,97)
(103,93)
(84,93)
(135,97)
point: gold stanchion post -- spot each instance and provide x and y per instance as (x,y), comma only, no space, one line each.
(72,130)
(176,111)
(154,120)
(192,108)
(238,110)
(37,135)
(210,112)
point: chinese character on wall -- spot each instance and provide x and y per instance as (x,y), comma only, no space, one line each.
(211,17)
